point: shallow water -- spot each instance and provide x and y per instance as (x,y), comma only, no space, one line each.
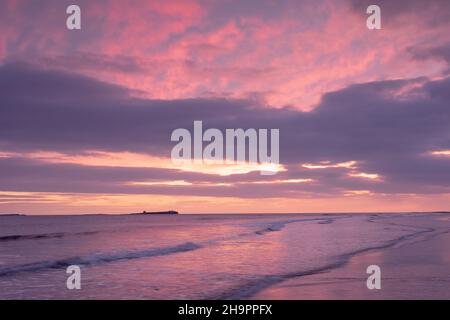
(189,256)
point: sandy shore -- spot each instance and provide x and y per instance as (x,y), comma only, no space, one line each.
(416,270)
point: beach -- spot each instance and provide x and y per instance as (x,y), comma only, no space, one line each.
(417,270)
(284,256)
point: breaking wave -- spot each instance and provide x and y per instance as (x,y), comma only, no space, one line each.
(97,259)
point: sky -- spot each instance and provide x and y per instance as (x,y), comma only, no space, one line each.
(86,115)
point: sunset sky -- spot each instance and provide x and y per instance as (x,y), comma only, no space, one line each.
(86,115)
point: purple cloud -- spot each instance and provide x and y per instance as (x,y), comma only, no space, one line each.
(387,127)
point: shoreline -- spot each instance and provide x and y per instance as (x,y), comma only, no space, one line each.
(416,269)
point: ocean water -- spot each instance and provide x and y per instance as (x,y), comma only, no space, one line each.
(190,256)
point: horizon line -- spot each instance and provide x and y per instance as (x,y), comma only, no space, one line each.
(223,213)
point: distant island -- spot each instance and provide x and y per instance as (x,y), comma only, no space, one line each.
(155,212)
(11,215)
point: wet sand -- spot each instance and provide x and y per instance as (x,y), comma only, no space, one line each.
(419,269)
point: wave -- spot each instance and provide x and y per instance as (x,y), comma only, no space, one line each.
(17,237)
(98,259)
(256,285)
(326,221)
(128,255)
(273,227)
(279,225)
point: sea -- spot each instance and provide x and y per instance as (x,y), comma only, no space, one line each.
(191,256)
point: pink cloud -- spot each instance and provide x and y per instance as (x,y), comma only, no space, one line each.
(182,49)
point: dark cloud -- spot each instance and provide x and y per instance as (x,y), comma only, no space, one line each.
(82,61)
(387,126)
(441,53)
(432,12)
(19,174)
